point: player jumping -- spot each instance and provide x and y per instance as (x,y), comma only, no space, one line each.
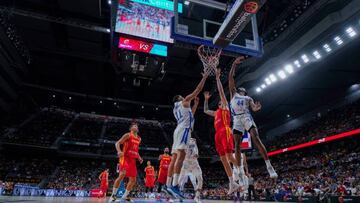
(127,157)
(224,142)
(149,179)
(242,120)
(191,169)
(182,134)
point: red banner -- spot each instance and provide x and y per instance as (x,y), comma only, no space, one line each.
(135,45)
(315,142)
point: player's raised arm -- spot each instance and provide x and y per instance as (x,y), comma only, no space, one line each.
(255,106)
(220,88)
(120,142)
(198,89)
(196,104)
(206,104)
(232,88)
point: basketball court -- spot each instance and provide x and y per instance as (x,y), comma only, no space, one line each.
(91,200)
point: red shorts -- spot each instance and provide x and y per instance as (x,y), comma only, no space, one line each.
(149,182)
(224,141)
(104,186)
(163,173)
(129,165)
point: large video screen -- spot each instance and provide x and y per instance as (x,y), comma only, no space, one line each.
(151,21)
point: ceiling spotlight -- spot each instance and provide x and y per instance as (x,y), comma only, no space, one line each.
(53,96)
(70,98)
(109,2)
(142,107)
(297,63)
(327,47)
(157,108)
(338,40)
(258,89)
(263,86)
(115,103)
(267,81)
(272,78)
(317,54)
(351,32)
(108,30)
(289,68)
(100,102)
(288,116)
(282,74)
(187,2)
(305,58)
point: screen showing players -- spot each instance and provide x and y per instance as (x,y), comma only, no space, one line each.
(151,20)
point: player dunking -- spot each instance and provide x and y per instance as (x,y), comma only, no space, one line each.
(165,160)
(191,169)
(104,178)
(128,155)
(182,133)
(242,120)
(149,179)
(224,142)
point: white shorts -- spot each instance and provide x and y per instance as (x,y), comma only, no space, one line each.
(181,139)
(243,122)
(191,167)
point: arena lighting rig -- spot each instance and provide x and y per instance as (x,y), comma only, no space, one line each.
(327,48)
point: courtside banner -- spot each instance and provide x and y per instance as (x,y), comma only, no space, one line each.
(236,20)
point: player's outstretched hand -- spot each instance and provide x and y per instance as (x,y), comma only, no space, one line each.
(140,160)
(120,154)
(196,100)
(238,60)
(257,106)
(207,95)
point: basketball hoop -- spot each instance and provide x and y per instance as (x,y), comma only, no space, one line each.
(210,58)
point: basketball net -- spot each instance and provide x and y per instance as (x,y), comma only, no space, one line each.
(210,58)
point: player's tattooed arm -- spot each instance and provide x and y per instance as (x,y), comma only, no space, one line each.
(120,142)
(206,104)
(220,88)
(196,104)
(196,91)
(255,106)
(232,88)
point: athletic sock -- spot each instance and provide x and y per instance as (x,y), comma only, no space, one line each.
(125,194)
(168,181)
(268,164)
(114,191)
(175,179)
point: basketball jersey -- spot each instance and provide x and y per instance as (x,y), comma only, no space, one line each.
(165,161)
(149,170)
(104,176)
(192,151)
(131,146)
(183,115)
(222,119)
(240,104)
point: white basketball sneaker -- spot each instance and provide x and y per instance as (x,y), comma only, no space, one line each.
(272,172)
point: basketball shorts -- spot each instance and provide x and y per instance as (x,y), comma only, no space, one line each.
(181,139)
(191,167)
(162,176)
(104,186)
(243,122)
(149,181)
(128,165)
(224,142)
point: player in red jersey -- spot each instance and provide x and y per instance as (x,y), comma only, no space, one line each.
(128,155)
(224,142)
(104,178)
(149,179)
(165,160)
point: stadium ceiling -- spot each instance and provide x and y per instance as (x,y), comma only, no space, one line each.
(70,47)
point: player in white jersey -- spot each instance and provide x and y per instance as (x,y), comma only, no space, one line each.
(191,169)
(242,120)
(185,121)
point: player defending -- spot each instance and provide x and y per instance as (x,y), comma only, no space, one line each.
(165,160)
(224,142)
(184,116)
(242,120)
(104,178)
(191,169)
(149,179)
(127,157)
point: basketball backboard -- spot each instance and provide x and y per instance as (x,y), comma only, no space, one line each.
(200,20)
